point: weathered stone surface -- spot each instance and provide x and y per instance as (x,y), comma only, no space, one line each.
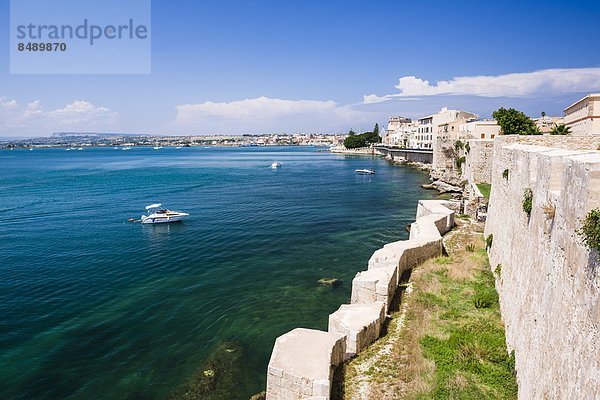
(443,187)
(444,209)
(375,285)
(302,364)
(361,323)
(549,283)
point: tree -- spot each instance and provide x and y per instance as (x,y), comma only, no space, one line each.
(355,141)
(543,114)
(351,132)
(514,122)
(376,129)
(371,137)
(533,130)
(561,129)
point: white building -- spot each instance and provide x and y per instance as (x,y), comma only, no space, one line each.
(583,116)
(428,128)
(398,131)
(480,129)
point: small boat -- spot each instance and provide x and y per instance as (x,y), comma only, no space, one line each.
(276,164)
(179,147)
(364,171)
(161,215)
(157,147)
(126,148)
(80,148)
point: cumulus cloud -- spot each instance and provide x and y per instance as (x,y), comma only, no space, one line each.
(547,81)
(265,114)
(33,119)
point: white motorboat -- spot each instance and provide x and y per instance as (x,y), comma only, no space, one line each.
(126,148)
(364,171)
(161,215)
(276,164)
(157,147)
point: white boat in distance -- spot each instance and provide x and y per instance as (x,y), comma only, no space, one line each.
(162,215)
(276,164)
(364,171)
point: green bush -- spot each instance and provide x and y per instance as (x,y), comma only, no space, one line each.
(498,270)
(460,161)
(470,247)
(527,201)
(590,230)
(488,241)
(505,174)
(484,299)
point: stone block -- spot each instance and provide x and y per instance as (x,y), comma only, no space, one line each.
(302,364)
(375,285)
(361,323)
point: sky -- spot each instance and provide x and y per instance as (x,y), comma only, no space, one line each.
(272,66)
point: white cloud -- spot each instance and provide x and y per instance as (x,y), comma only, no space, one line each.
(265,114)
(33,119)
(542,82)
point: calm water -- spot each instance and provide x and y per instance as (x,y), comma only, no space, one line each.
(93,306)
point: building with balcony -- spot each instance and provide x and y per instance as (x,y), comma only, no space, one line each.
(398,131)
(444,123)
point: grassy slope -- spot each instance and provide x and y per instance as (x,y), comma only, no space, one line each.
(447,340)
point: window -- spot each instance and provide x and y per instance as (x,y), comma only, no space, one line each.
(483,135)
(492,135)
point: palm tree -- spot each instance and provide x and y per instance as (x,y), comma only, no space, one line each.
(561,129)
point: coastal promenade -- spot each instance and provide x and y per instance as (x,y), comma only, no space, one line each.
(424,156)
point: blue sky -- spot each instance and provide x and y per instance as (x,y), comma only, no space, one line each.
(297,66)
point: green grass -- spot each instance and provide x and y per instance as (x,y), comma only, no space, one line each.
(466,342)
(485,189)
(451,344)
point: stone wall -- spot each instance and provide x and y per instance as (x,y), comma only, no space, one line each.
(478,161)
(548,281)
(303,360)
(444,166)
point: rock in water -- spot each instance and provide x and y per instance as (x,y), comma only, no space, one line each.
(329,281)
(259,396)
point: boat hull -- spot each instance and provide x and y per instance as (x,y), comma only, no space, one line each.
(151,219)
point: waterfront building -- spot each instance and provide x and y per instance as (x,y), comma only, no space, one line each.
(398,131)
(428,128)
(583,116)
(479,129)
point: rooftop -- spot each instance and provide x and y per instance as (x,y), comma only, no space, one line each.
(589,96)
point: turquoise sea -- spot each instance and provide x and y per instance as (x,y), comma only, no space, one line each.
(95,307)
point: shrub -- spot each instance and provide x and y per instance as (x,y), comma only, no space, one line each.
(505,174)
(467,147)
(460,161)
(470,247)
(549,210)
(489,241)
(498,270)
(527,201)
(590,230)
(484,299)
(458,145)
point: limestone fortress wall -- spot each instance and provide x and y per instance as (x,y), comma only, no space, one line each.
(548,281)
